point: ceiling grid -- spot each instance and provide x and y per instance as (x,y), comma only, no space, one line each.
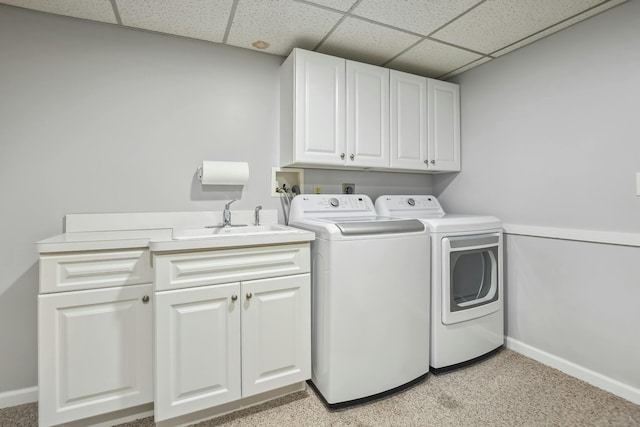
(434,38)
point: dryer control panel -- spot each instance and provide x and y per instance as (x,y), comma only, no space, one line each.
(417,206)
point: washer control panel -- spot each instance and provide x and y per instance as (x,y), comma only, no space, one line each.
(307,205)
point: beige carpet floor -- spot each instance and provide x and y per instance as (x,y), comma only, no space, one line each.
(507,389)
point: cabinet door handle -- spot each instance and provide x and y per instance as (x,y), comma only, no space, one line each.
(353,156)
(234,297)
(433,162)
(342,156)
(249,295)
(145,299)
(426,162)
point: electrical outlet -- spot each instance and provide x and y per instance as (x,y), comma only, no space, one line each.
(317,189)
(348,188)
(637,183)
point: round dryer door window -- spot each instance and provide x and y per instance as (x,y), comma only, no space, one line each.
(473,278)
(470,277)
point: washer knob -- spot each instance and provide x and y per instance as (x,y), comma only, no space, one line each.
(411,202)
(334,202)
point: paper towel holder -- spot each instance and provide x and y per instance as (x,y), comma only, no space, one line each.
(223,173)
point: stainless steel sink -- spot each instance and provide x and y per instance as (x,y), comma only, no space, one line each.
(247,231)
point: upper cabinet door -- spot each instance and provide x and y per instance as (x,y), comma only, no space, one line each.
(444,126)
(367,115)
(408,137)
(318,109)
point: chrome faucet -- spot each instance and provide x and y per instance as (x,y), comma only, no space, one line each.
(226,214)
(257,215)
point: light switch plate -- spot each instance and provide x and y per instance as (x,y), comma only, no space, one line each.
(637,183)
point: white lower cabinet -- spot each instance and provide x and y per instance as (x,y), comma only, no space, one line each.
(222,342)
(216,344)
(197,341)
(276,333)
(95,352)
(218,325)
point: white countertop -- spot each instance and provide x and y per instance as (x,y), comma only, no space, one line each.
(159,240)
(102,240)
(91,238)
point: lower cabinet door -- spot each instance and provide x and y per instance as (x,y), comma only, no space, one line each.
(95,352)
(276,333)
(197,345)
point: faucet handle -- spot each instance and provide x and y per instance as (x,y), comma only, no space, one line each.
(257,215)
(226,206)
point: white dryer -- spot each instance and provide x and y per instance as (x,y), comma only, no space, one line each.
(467,298)
(370,302)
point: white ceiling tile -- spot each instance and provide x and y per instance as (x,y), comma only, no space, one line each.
(205,20)
(419,16)
(366,42)
(498,23)
(432,59)
(467,67)
(342,5)
(283,24)
(561,26)
(95,10)
(374,31)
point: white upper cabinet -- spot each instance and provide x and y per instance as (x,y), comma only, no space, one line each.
(367,115)
(408,121)
(345,114)
(444,125)
(312,109)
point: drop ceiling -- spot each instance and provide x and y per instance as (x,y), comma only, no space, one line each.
(434,38)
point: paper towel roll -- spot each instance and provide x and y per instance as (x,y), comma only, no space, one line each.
(223,173)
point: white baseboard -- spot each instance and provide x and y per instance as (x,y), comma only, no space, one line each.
(609,384)
(18,397)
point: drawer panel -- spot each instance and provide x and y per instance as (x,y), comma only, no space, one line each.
(185,270)
(70,272)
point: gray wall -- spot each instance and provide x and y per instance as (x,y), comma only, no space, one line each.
(551,137)
(551,132)
(95,118)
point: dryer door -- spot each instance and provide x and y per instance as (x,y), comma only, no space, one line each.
(472,276)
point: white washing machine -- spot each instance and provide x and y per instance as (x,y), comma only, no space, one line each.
(370,302)
(467,298)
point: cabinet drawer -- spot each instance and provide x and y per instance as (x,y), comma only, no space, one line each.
(176,271)
(70,272)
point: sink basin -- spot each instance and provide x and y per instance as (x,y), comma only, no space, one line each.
(249,230)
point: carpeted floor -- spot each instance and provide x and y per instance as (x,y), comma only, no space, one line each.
(507,389)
